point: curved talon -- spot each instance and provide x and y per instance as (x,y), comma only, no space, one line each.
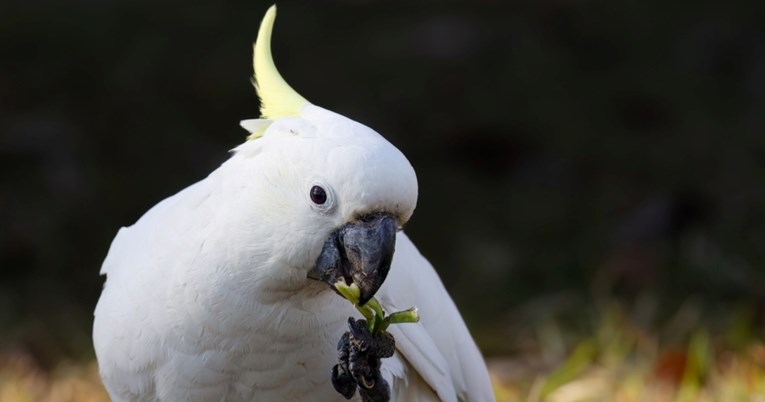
(363,382)
(380,393)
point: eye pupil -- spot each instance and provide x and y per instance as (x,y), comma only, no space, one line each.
(318,195)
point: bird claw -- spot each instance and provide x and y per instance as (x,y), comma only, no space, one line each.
(359,353)
(343,382)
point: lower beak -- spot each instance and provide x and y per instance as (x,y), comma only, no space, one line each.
(359,252)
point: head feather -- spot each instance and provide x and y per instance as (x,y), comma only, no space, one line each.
(277,98)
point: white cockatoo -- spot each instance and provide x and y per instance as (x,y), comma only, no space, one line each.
(212,295)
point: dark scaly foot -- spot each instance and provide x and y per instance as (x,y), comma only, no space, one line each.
(365,351)
(341,375)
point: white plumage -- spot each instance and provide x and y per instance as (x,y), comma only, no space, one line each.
(207,298)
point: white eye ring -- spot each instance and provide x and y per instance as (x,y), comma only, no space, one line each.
(320,195)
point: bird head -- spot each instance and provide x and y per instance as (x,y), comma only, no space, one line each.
(331,193)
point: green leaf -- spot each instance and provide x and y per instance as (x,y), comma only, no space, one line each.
(582,356)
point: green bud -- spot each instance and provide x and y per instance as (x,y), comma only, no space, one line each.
(410,315)
(352,293)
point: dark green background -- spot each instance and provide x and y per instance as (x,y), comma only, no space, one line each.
(562,147)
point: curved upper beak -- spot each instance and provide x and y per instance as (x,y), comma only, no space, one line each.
(359,252)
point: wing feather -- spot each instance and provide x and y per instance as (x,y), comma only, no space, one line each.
(439,347)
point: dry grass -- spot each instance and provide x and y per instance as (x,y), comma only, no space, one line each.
(21,380)
(674,376)
(621,361)
(617,360)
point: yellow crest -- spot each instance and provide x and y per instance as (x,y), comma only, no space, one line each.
(277,98)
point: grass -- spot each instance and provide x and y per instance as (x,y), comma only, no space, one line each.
(22,380)
(591,372)
(617,354)
(692,357)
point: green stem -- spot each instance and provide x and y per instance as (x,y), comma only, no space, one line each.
(409,315)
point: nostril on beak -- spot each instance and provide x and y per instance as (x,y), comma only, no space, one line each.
(369,218)
(373,218)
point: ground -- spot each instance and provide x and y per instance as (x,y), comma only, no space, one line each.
(691,356)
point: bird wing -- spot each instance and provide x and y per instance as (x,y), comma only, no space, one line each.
(129,324)
(439,348)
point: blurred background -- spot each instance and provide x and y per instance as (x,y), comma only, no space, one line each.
(591,172)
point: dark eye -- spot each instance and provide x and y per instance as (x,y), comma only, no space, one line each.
(318,195)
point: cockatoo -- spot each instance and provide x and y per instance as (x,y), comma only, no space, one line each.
(212,294)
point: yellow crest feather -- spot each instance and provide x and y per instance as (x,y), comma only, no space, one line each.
(277,98)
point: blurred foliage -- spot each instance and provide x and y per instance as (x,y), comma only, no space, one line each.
(625,354)
(21,380)
(562,147)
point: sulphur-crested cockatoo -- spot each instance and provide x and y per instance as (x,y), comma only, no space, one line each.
(209,296)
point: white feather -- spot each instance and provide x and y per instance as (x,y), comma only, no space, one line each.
(439,347)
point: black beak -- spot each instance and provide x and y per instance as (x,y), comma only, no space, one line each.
(359,252)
